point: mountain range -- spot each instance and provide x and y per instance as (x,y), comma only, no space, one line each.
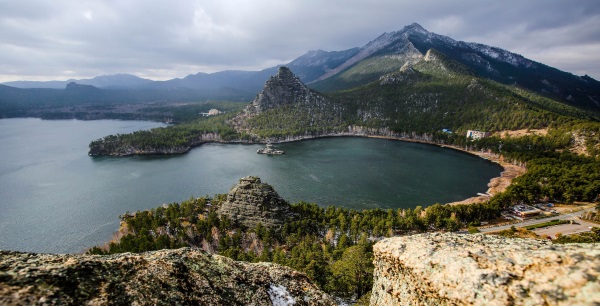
(322,70)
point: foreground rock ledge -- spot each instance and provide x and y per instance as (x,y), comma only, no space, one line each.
(168,277)
(451,269)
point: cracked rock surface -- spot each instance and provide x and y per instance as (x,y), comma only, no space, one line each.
(184,276)
(453,269)
(251,202)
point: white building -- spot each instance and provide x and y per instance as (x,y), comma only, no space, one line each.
(477,134)
(212,112)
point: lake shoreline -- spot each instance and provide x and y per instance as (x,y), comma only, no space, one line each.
(495,185)
(500,183)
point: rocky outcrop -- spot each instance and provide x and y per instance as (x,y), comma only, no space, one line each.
(169,277)
(284,92)
(251,202)
(282,88)
(451,269)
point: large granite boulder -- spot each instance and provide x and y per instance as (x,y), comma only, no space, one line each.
(185,276)
(452,269)
(251,202)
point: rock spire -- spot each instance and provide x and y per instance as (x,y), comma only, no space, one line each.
(251,202)
(282,88)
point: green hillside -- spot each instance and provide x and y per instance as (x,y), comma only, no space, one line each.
(434,94)
(410,45)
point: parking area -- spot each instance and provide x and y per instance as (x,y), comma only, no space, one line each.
(565,229)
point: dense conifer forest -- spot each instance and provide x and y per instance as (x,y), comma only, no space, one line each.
(332,245)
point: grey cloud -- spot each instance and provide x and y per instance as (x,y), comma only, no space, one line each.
(163,39)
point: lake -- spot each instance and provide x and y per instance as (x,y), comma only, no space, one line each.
(55,198)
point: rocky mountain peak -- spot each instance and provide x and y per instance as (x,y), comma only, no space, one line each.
(251,202)
(415,27)
(72,86)
(283,74)
(282,88)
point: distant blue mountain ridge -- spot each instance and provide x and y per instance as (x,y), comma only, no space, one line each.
(338,70)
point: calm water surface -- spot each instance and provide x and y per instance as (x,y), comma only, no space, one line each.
(55,198)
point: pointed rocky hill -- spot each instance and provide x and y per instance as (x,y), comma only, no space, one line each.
(286,107)
(251,202)
(281,89)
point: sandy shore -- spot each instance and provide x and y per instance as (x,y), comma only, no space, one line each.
(497,184)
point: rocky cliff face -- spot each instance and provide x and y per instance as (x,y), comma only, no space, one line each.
(285,90)
(282,88)
(450,269)
(168,277)
(251,202)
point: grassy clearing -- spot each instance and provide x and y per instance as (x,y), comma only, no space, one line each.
(547,224)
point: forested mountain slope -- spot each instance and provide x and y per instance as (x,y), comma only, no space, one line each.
(394,50)
(418,100)
(432,94)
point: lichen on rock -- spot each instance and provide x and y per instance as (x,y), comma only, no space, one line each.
(251,202)
(453,269)
(184,276)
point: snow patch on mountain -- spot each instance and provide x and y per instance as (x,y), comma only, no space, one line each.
(379,43)
(479,61)
(501,55)
(415,28)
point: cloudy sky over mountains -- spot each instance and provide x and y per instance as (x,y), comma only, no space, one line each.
(61,39)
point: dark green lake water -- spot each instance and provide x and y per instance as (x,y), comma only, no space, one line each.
(55,198)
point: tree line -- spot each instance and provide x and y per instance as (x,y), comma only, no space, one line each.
(332,245)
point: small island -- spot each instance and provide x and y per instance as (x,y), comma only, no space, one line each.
(269,150)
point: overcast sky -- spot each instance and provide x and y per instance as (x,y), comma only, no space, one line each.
(62,39)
